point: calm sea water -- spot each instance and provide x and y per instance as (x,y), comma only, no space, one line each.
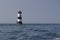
(29,32)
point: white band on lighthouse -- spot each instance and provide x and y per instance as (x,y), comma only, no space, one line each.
(18,20)
(18,15)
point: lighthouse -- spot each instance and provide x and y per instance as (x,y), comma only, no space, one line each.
(19,18)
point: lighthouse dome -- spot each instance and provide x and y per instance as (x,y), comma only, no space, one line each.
(19,11)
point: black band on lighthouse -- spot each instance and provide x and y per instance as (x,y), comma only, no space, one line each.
(19,17)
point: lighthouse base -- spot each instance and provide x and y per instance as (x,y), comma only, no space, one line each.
(20,23)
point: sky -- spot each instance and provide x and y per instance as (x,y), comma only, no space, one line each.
(33,11)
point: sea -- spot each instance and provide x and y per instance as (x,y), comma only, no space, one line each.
(30,32)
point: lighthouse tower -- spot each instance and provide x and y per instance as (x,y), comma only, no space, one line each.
(19,17)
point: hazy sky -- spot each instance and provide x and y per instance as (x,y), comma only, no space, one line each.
(34,11)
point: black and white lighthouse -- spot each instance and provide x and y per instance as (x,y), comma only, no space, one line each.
(19,18)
